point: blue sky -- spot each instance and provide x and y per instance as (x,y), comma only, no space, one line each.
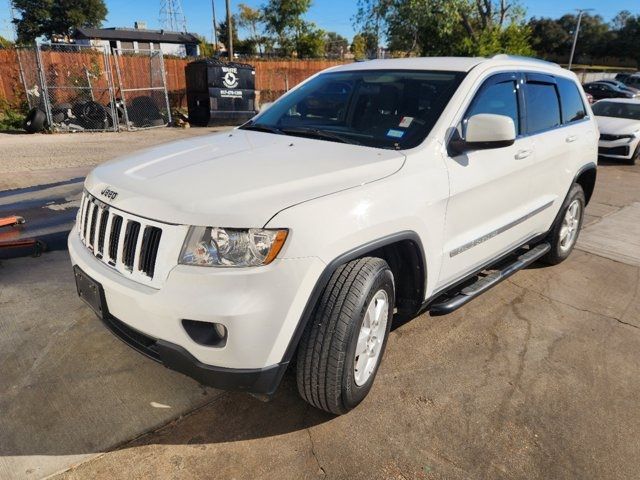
(331,15)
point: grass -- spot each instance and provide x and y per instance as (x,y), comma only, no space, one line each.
(11,119)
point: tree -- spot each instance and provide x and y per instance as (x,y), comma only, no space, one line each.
(447,27)
(548,37)
(5,43)
(335,45)
(591,38)
(311,42)
(283,19)
(620,20)
(359,47)
(628,39)
(56,17)
(251,18)
(206,49)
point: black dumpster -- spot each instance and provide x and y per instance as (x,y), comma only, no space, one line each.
(220,93)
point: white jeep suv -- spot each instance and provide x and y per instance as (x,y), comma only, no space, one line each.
(369,194)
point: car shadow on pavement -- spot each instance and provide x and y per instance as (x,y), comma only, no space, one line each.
(236,416)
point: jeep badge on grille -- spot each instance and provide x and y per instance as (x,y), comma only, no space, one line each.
(108,193)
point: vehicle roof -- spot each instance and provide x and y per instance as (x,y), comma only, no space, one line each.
(620,100)
(456,64)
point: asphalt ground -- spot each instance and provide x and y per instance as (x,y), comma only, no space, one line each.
(536,379)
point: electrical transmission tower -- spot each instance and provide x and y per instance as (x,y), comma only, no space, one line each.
(172,16)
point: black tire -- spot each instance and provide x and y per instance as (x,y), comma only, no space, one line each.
(558,252)
(143,112)
(636,156)
(326,354)
(35,121)
(92,116)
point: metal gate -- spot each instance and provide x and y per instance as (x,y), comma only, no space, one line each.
(143,99)
(77,87)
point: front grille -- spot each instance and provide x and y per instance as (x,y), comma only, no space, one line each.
(622,151)
(610,138)
(127,243)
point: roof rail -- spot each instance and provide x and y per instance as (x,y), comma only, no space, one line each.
(504,56)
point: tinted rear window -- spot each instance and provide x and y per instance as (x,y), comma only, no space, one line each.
(543,108)
(572,106)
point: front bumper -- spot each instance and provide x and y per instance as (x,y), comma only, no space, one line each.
(260,308)
(621,149)
(257,380)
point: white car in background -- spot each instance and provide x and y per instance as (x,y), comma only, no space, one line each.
(619,125)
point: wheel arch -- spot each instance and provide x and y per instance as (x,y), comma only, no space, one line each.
(586,178)
(404,253)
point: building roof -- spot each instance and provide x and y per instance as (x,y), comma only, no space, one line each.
(137,34)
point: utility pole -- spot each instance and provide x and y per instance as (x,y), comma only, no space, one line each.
(230,31)
(575,34)
(215,28)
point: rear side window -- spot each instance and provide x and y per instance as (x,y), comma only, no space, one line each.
(543,108)
(571,101)
(500,99)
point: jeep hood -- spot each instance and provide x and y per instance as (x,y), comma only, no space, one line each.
(235,179)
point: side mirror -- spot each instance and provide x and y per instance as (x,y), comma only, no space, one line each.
(265,106)
(484,131)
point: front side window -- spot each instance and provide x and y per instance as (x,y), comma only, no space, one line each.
(377,108)
(543,108)
(498,98)
(572,106)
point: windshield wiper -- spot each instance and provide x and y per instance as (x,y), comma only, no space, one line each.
(317,133)
(260,127)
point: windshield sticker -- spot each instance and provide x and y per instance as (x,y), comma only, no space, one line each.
(405,122)
(395,133)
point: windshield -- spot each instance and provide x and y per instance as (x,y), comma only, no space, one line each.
(376,108)
(617,109)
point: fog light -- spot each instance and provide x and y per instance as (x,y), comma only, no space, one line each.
(208,334)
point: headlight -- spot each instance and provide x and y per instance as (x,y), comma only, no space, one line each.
(231,247)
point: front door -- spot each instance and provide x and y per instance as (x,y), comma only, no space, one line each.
(490,202)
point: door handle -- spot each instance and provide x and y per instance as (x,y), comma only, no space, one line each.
(523,154)
(571,138)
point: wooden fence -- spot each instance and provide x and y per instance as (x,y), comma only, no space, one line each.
(273,77)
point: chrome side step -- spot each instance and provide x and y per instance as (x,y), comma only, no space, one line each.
(456,298)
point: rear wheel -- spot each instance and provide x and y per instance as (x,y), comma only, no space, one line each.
(564,234)
(341,349)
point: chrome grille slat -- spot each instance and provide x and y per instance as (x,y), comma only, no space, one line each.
(126,243)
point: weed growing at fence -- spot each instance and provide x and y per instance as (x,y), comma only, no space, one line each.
(11,118)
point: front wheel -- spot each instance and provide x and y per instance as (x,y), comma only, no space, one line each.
(340,351)
(564,234)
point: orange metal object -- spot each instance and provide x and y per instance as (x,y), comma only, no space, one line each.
(10,221)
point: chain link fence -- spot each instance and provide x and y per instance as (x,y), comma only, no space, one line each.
(30,76)
(75,88)
(142,88)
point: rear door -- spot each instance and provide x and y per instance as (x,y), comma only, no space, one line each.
(490,198)
(557,124)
